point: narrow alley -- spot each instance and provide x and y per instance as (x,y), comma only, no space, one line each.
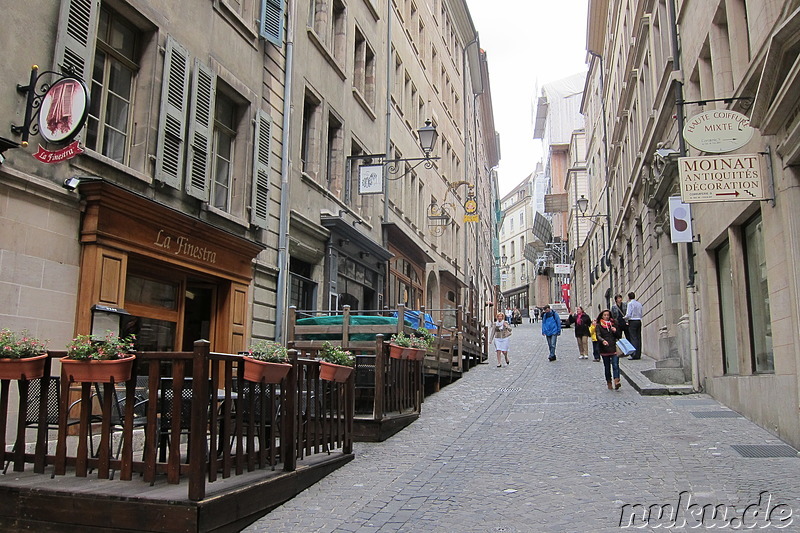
(541,446)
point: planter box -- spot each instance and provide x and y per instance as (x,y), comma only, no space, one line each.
(331,372)
(27,368)
(400,352)
(117,370)
(262,371)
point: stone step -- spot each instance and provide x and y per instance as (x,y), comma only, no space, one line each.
(669,362)
(666,376)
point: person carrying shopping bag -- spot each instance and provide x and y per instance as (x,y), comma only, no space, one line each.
(607,335)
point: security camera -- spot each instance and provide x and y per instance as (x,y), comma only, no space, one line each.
(72,183)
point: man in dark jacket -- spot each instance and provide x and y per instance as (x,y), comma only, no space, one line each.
(618,311)
(551,328)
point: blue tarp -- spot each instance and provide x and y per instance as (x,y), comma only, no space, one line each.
(412,317)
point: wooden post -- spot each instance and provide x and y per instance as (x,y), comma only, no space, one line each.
(401,318)
(346,327)
(349,412)
(199,421)
(291,324)
(380,375)
(126,471)
(289,408)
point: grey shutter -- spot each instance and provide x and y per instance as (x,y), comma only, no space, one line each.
(201,127)
(271,26)
(172,118)
(77,33)
(259,208)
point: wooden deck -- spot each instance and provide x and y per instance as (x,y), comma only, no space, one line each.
(199,450)
(33,502)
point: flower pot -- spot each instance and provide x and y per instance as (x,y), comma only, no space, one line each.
(331,372)
(417,354)
(398,352)
(27,368)
(118,370)
(262,371)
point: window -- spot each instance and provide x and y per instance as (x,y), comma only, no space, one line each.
(302,289)
(727,310)
(522,220)
(309,143)
(335,160)
(225,120)
(112,82)
(328,20)
(758,296)
(364,69)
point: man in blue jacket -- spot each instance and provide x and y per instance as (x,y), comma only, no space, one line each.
(551,328)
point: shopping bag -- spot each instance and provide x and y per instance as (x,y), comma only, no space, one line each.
(626,347)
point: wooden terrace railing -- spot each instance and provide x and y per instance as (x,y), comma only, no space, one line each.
(231,426)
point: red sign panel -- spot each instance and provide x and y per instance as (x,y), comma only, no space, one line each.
(57,156)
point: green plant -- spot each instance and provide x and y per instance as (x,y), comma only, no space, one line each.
(402,340)
(423,338)
(19,345)
(335,355)
(110,347)
(269,352)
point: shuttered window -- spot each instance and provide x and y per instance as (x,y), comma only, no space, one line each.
(198,170)
(172,124)
(76,37)
(261,165)
(271,26)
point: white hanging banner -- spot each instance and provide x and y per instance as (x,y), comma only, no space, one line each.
(370,179)
(680,220)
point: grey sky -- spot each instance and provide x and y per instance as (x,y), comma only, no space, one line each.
(528,43)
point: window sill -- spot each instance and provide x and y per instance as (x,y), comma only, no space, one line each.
(332,61)
(97,157)
(364,104)
(238,23)
(227,216)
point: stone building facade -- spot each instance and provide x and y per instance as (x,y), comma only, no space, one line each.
(726,305)
(358,103)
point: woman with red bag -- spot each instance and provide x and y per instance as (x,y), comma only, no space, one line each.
(607,335)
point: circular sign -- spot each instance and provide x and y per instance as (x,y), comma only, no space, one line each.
(718,131)
(63,110)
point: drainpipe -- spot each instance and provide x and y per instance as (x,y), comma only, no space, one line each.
(283,224)
(691,289)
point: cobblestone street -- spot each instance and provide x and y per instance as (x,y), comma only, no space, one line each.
(540,446)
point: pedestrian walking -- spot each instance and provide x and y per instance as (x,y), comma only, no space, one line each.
(633,317)
(501,332)
(516,317)
(536,314)
(618,311)
(582,322)
(509,315)
(595,342)
(551,328)
(530,315)
(607,335)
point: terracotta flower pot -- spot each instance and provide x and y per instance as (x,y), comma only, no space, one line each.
(397,352)
(98,371)
(27,368)
(262,371)
(417,354)
(331,372)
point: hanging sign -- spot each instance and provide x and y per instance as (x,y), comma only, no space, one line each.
(561,268)
(471,210)
(63,111)
(680,220)
(370,179)
(718,131)
(57,156)
(721,178)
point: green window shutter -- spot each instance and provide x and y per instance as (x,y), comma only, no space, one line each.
(172,123)
(77,33)
(271,24)
(201,128)
(259,208)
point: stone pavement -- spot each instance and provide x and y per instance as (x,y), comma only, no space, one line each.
(538,447)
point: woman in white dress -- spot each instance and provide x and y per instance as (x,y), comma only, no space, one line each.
(502,332)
